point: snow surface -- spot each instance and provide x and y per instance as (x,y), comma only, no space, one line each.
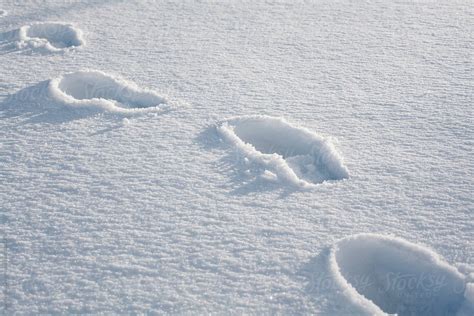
(109,211)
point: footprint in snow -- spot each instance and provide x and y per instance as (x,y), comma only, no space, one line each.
(50,37)
(294,154)
(387,275)
(98,90)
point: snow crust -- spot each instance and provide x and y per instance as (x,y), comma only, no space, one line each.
(389,275)
(50,36)
(297,155)
(98,90)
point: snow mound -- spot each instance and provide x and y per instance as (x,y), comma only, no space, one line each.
(50,36)
(3,13)
(295,154)
(95,89)
(390,275)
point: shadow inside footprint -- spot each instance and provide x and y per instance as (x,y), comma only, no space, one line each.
(399,277)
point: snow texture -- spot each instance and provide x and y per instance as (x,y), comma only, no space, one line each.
(3,13)
(98,90)
(390,275)
(104,211)
(295,154)
(51,37)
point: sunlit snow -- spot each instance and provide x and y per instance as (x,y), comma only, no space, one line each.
(230,157)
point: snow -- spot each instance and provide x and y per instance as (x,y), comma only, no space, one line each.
(384,274)
(294,153)
(50,36)
(468,306)
(123,209)
(99,90)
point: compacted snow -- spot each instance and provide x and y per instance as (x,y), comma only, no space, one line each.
(258,158)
